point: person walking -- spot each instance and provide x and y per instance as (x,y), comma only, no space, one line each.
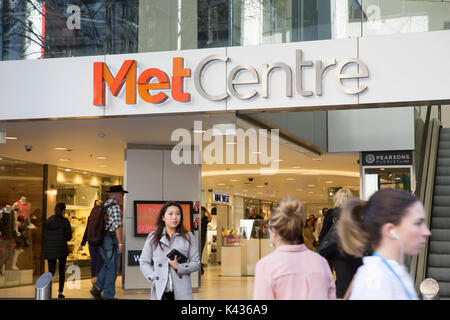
(111,247)
(206,218)
(56,232)
(170,279)
(392,223)
(308,234)
(291,271)
(344,265)
(94,251)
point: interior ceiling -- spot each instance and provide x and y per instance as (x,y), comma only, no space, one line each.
(300,173)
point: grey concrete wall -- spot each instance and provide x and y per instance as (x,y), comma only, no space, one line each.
(371,129)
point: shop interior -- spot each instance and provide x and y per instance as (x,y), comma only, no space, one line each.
(91,160)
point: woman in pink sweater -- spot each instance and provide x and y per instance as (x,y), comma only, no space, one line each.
(292,271)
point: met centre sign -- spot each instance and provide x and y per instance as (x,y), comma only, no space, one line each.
(315,75)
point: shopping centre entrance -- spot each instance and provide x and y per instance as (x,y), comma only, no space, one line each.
(75,162)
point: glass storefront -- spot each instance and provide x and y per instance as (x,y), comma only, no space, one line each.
(79,190)
(21,217)
(37,29)
(22,213)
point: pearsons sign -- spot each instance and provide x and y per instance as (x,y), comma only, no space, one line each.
(387,158)
(153,83)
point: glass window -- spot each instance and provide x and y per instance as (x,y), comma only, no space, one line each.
(21,207)
(36,29)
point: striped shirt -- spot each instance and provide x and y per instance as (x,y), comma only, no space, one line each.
(114,215)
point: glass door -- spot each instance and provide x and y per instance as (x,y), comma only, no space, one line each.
(377,178)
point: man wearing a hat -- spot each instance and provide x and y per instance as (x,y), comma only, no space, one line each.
(111,247)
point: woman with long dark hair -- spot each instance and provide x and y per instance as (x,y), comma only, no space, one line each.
(170,279)
(391,225)
(56,232)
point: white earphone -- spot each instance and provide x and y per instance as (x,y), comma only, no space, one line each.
(393,234)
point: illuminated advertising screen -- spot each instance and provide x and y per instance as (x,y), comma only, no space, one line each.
(146,215)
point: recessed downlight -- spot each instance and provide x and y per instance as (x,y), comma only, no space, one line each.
(64,159)
(61,148)
(100,157)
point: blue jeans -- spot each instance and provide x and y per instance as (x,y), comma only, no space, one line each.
(106,278)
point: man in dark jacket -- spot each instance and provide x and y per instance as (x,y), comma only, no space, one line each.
(56,232)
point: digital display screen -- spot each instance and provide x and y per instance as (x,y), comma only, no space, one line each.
(218,197)
(146,215)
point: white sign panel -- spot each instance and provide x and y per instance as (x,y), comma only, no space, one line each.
(326,74)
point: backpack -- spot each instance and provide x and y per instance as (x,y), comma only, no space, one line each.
(96,224)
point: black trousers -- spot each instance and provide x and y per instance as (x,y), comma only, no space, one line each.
(61,269)
(168,296)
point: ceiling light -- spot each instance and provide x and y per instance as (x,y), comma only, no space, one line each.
(328,181)
(68,170)
(12,138)
(100,158)
(260,186)
(311,185)
(316,159)
(103,166)
(221,184)
(296,167)
(233,180)
(290,179)
(61,148)
(84,172)
(64,159)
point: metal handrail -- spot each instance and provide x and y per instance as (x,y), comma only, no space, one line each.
(419,263)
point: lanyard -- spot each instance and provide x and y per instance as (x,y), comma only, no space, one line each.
(395,274)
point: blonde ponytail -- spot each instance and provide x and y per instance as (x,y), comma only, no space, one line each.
(353,237)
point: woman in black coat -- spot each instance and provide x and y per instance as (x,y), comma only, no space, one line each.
(56,232)
(344,265)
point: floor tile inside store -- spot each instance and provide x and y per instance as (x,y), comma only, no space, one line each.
(214,287)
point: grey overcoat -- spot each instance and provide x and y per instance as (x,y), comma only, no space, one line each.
(155,266)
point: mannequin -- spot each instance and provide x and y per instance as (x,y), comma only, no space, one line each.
(19,237)
(24,213)
(8,231)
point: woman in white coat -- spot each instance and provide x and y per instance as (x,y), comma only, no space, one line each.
(170,280)
(392,225)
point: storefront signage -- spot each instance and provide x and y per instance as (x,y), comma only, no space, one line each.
(387,158)
(156,80)
(220,197)
(133,257)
